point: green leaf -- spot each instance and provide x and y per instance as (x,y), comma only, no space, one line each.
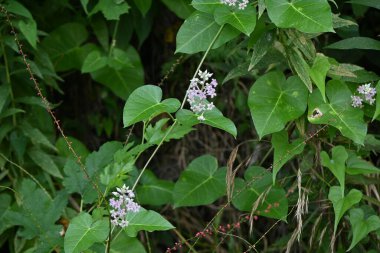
(377,111)
(199,30)
(309,16)
(243,20)
(361,225)
(147,221)
(122,79)
(260,49)
(44,161)
(338,112)
(318,73)
(77,145)
(300,66)
(83,232)
(94,61)
(155,134)
(145,103)
(337,164)
(19,9)
(75,179)
(5,206)
(342,203)
(208,6)
(4,93)
(181,8)
(201,183)
(37,214)
(29,29)
(257,186)
(356,43)
(143,6)
(64,46)
(274,101)
(284,151)
(369,3)
(114,174)
(213,118)
(358,166)
(112,10)
(119,59)
(153,191)
(122,242)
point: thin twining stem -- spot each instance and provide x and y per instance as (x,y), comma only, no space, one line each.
(182,105)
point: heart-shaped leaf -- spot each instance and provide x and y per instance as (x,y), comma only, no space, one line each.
(362,226)
(273,202)
(318,73)
(201,183)
(338,112)
(145,103)
(243,20)
(93,62)
(83,232)
(337,163)
(309,16)
(213,118)
(284,151)
(146,220)
(274,101)
(357,166)
(342,203)
(198,32)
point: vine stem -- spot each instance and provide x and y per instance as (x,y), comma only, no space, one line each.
(182,105)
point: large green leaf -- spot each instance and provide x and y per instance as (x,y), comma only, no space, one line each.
(122,242)
(337,164)
(310,16)
(201,183)
(273,202)
(146,220)
(145,103)
(37,215)
(213,118)
(357,166)
(243,20)
(338,112)
(111,9)
(44,160)
(369,3)
(318,73)
(274,101)
(361,225)
(122,79)
(75,179)
(284,151)
(199,30)
(342,203)
(153,191)
(181,8)
(64,46)
(208,6)
(83,232)
(356,43)
(29,29)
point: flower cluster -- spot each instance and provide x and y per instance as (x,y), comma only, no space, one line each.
(366,93)
(241,4)
(122,203)
(201,88)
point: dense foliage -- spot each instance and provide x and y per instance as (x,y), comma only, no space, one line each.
(189,125)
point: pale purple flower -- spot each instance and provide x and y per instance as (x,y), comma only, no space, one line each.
(122,203)
(199,90)
(366,93)
(357,101)
(241,4)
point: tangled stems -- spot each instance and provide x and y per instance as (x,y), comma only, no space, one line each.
(182,105)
